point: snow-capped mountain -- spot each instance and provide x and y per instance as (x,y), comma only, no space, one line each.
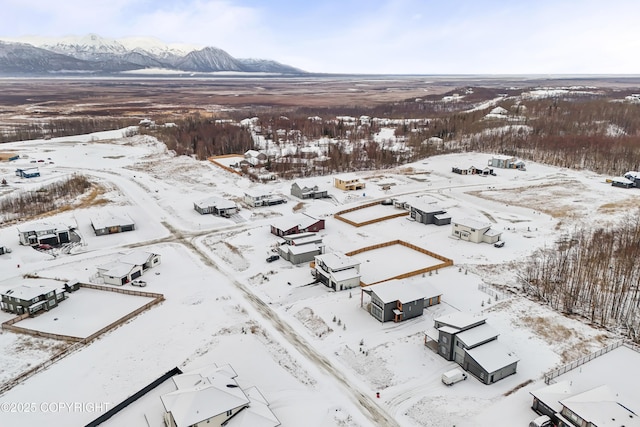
(96,54)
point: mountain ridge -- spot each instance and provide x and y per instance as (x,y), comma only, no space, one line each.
(99,55)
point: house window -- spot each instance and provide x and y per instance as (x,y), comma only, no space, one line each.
(444,339)
(35,299)
(52,303)
(229,412)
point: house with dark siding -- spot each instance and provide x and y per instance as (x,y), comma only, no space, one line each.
(298,223)
(109,223)
(43,233)
(399,300)
(427,212)
(472,344)
(305,192)
(300,248)
(33,296)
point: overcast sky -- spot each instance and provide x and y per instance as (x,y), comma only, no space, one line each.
(366,36)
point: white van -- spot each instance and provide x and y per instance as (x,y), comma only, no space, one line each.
(542,421)
(453,376)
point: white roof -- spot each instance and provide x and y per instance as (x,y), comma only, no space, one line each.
(337,260)
(492,356)
(633,174)
(460,319)
(348,274)
(602,407)
(257,414)
(40,226)
(473,223)
(474,336)
(492,232)
(398,290)
(622,180)
(424,204)
(203,395)
(218,202)
(29,292)
(257,193)
(287,223)
(300,249)
(136,257)
(553,394)
(116,269)
(107,220)
(502,157)
(347,177)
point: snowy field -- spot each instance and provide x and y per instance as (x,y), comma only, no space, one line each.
(317,356)
(84,312)
(371,212)
(374,265)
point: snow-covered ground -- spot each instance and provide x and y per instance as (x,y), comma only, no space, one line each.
(317,356)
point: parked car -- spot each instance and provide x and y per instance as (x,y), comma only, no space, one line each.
(453,376)
(499,244)
(44,246)
(140,283)
(273,258)
(542,421)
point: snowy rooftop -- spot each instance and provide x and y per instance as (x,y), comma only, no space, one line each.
(136,257)
(473,223)
(493,356)
(287,223)
(40,227)
(602,407)
(218,202)
(474,336)
(29,292)
(553,394)
(347,177)
(460,320)
(425,204)
(107,220)
(337,261)
(199,397)
(397,290)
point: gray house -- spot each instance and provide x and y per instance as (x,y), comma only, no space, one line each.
(473,344)
(33,172)
(397,300)
(301,248)
(308,192)
(428,213)
(35,296)
(216,206)
(633,176)
(110,224)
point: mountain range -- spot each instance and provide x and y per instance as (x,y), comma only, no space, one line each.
(96,55)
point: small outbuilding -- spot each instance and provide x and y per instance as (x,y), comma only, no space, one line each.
(33,172)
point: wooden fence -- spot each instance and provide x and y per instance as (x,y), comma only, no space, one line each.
(77,342)
(338,215)
(446,262)
(220,165)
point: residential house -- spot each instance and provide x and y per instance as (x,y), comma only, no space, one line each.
(211,396)
(472,230)
(348,182)
(255,198)
(43,233)
(471,343)
(633,176)
(298,223)
(399,300)
(622,182)
(255,158)
(110,223)
(28,172)
(596,407)
(128,267)
(506,162)
(301,247)
(337,271)
(34,296)
(307,192)
(428,213)
(216,206)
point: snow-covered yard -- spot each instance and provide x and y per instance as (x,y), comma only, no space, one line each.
(317,356)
